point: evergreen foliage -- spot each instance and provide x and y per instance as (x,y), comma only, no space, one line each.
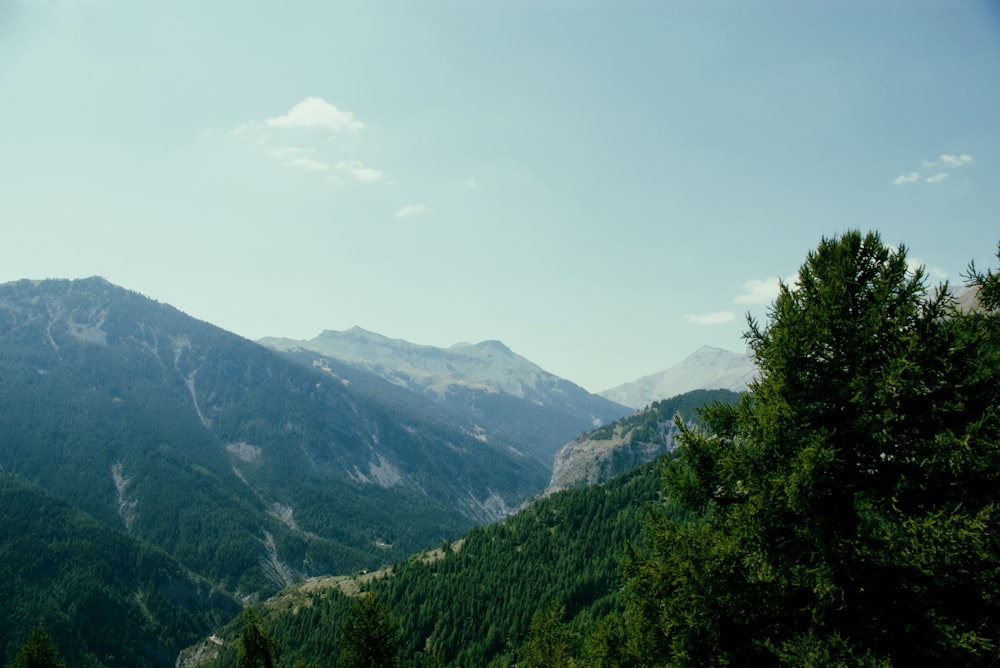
(471,603)
(369,635)
(103,597)
(254,648)
(38,652)
(550,641)
(846,509)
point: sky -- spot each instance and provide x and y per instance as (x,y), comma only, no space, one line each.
(603,185)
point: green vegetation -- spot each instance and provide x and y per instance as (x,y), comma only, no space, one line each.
(38,652)
(105,598)
(846,510)
(369,636)
(254,649)
(656,420)
(842,513)
(471,603)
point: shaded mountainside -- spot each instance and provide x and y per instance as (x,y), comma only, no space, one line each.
(706,369)
(252,470)
(505,396)
(471,602)
(603,453)
(104,598)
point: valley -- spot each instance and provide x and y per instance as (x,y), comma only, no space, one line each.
(255,467)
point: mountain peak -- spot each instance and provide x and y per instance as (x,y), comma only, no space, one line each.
(707,368)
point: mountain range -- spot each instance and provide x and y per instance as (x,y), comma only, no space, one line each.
(248,469)
(504,395)
(707,368)
(232,468)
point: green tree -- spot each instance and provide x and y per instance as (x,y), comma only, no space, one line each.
(254,648)
(549,641)
(605,646)
(370,635)
(38,652)
(846,508)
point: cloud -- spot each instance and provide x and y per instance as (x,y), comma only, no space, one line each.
(717,318)
(300,157)
(945,161)
(409,210)
(316,113)
(759,291)
(357,171)
(952,161)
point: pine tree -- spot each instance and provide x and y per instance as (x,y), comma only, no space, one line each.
(846,508)
(548,644)
(38,652)
(254,648)
(370,636)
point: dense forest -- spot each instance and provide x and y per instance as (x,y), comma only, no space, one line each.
(842,512)
(471,603)
(104,598)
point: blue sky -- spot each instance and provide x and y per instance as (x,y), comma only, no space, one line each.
(604,186)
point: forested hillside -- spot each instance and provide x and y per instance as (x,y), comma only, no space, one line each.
(472,603)
(250,469)
(104,598)
(841,513)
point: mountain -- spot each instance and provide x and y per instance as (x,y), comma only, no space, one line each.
(706,369)
(471,602)
(506,396)
(599,455)
(250,469)
(98,592)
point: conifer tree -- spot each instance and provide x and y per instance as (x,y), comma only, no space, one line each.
(548,644)
(38,652)
(254,648)
(370,635)
(846,510)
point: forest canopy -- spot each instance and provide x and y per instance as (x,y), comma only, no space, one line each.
(845,510)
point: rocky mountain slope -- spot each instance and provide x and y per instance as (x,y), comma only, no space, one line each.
(599,455)
(250,469)
(706,369)
(506,396)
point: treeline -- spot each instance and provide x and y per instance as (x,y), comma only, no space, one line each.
(842,513)
(472,603)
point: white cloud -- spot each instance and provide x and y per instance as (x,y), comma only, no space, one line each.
(357,171)
(952,161)
(300,157)
(944,161)
(316,113)
(412,210)
(717,318)
(759,291)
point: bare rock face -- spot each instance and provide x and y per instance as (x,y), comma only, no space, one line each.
(603,453)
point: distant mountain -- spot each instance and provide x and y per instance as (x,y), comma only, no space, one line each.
(250,469)
(505,396)
(604,453)
(706,369)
